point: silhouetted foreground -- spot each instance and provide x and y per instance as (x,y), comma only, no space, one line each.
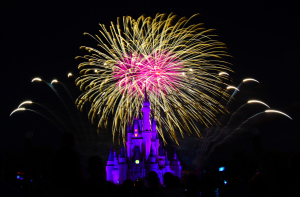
(41,172)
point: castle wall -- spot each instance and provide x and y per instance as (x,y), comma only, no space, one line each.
(146,144)
(109,175)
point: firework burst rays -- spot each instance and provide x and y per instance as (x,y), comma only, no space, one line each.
(177,66)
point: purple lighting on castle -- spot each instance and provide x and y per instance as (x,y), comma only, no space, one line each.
(159,70)
(142,153)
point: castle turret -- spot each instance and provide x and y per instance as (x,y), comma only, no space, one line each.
(146,113)
(122,166)
(115,171)
(140,122)
(129,136)
(146,126)
(176,167)
(116,163)
(167,165)
(122,158)
(153,128)
(161,151)
(152,164)
(161,157)
(156,142)
(152,158)
(110,166)
(136,127)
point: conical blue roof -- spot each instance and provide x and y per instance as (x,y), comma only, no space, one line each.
(161,151)
(111,155)
(175,155)
(151,152)
(167,161)
(129,130)
(153,121)
(122,155)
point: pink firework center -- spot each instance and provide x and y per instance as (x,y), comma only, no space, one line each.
(159,71)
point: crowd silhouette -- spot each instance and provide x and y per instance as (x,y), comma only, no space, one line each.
(67,178)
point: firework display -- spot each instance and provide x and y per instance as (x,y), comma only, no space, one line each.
(176,65)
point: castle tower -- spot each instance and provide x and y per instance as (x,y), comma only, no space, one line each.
(146,114)
(153,128)
(110,166)
(146,126)
(176,167)
(128,143)
(122,166)
(115,171)
(167,165)
(152,164)
(161,157)
(140,122)
(136,139)
(136,128)
(154,138)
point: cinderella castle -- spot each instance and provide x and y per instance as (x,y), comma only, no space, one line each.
(143,153)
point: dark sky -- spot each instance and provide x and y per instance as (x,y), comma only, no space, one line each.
(41,39)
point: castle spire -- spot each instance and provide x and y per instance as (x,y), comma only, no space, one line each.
(151,152)
(175,155)
(111,155)
(151,158)
(115,159)
(146,113)
(129,130)
(167,161)
(146,96)
(122,155)
(161,150)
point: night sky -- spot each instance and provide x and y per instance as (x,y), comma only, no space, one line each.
(42,38)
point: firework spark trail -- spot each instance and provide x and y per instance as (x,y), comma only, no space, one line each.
(68,109)
(236,122)
(47,118)
(232,127)
(53,114)
(65,105)
(177,65)
(79,125)
(73,100)
(48,110)
(217,134)
(239,87)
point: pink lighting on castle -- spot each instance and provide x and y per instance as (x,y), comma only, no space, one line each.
(142,154)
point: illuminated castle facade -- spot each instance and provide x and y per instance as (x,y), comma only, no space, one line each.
(143,153)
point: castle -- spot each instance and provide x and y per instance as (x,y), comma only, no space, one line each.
(143,153)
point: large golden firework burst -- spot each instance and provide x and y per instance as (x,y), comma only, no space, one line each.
(176,64)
